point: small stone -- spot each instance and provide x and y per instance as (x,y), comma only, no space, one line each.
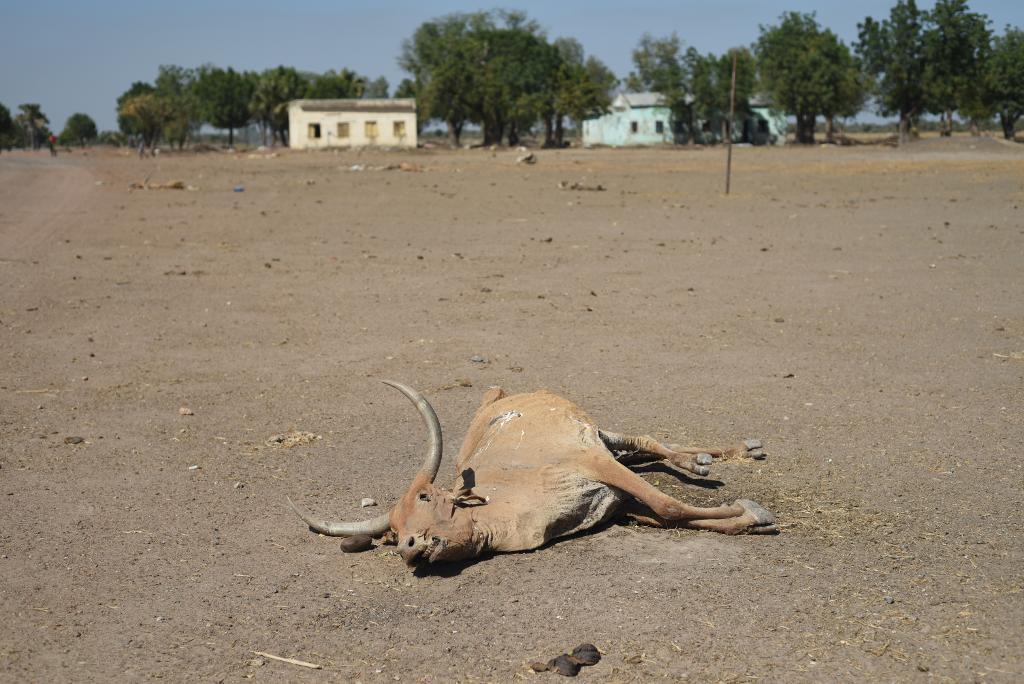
(368,502)
(193,467)
(239,485)
(780,320)
(185,411)
(565,665)
(476,358)
(586,654)
(74,440)
(357,543)
(890,600)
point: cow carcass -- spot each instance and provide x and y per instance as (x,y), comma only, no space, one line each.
(532,468)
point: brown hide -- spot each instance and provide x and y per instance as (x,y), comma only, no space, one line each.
(535,467)
(525,458)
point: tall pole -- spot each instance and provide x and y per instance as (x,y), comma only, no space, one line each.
(732,115)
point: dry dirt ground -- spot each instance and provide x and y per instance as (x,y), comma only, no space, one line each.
(860,310)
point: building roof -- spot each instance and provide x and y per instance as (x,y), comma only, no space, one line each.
(369,105)
(635,100)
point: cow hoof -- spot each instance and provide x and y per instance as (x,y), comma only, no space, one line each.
(703,459)
(748,448)
(755,449)
(762,521)
(701,470)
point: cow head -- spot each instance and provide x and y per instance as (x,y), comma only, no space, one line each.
(430,524)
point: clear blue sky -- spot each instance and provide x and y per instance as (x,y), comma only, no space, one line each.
(79,56)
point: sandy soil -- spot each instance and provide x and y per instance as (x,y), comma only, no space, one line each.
(858,309)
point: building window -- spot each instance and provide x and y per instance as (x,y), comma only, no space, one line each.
(343,130)
(314,130)
(399,129)
(659,126)
(370,129)
(633,127)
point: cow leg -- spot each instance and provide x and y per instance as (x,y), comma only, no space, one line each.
(642,445)
(642,448)
(737,518)
(756,520)
(748,448)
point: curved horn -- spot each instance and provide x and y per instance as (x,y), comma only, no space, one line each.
(379,525)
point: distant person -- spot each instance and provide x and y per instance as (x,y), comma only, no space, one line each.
(52,141)
(142,149)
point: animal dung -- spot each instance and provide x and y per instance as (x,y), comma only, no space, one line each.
(568,664)
(357,543)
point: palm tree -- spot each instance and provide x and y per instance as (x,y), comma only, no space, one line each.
(275,89)
(32,119)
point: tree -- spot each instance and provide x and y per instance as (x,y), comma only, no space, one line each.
(442,56)
(224,96)
(806,70)
(148,113)
(711,85)
(583,88)
(7,128)
(956,47)
(334,85)
(80,128)
(176,86)
(126,123)
(378,88)
(847,88)
(274,90)
(893,52)
(1005,80)
(34,122)
(661,67)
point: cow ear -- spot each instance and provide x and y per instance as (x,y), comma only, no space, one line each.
(466,497)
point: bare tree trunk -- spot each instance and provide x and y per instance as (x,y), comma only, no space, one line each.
(549,130)
(830,129)
(1008,126)
(725,131)
(805,128)
(231,137)
(513,134)
(560,131)
(904,124)
(975,130)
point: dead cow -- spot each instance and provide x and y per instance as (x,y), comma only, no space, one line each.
(535,467)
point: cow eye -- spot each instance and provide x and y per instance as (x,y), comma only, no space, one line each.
(424,496)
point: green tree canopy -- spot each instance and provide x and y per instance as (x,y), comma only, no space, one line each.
(1005,79)
(582,88)
(956,50)
(7,128)
(660,66)
(442,57)
(331,85)
(274,90)
(34,122)
(79,129)
(711,85)
(893,52)
(377,88)
(224,96)
(176,86)
(126,123)
(806,70)
(147,113)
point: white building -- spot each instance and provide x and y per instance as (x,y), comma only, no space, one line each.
(351,123)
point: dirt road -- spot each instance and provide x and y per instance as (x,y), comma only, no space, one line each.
(860,310)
